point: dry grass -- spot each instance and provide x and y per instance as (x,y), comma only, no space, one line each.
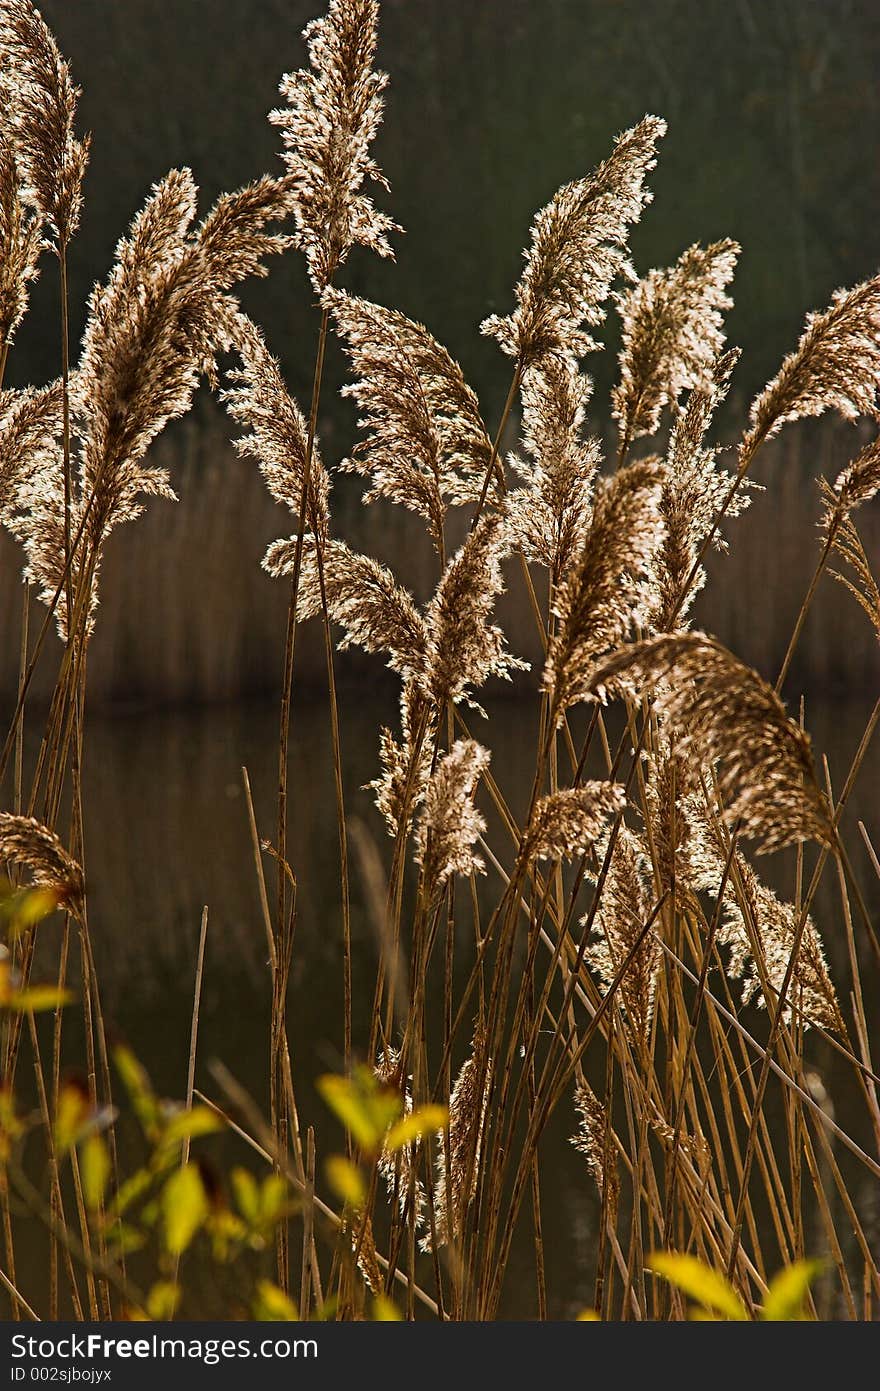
(605,969)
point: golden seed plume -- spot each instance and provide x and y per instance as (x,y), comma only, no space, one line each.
(42,97)
(857,484)
(24,841)
(363,596)
(671,334)
(30,422)
(569,823)
(605,596)
(450,824)
(549,516)
(400,788)
(21,235)
(624,908)
(277,429)
(464,647)
(723,711)
(152,331)
(860,581)
(776,924)
(836,366)
(331,116)
(426,445)
(694,491)
(589,1139)
(398,1169)
(455,1187)
(578,247)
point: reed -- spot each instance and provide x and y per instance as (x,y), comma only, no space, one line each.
(592,954)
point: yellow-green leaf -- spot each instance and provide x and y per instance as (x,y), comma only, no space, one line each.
(137,1084)
(588,1316)
(163,1300)
(184,1208)
(425,1120)
(71,1114)
(385,1310)
(189,1125)
(271,1304)
(346,1180)
(699,1282)
(788,1291)
(95,1169)
(247,1194)
(36,999)
(365,1107)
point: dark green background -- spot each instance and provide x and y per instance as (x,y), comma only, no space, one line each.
(773,125)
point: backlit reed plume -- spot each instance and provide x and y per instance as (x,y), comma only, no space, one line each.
(589,1139)
(398,1169)
(568,823)
(724,712)
(624,909)
(857,484)
(836,366)
(43,97)
(695,490)
(426,445)
(406,762)
(551,513)
(684,851)
(331,116)
(603,598)
(153,330)
(277,430)
(456,1186)
(578,247)
(450,824)
(24,841)
(464,647)
(30,421)
(363,596)
(775,925)
(860,580)
(672,332)
(21,237)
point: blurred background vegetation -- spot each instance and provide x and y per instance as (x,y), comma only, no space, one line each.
(774,115)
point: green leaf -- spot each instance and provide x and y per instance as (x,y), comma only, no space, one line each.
(788,1292)
(184,1208)
(274,1199)
(346,1180)
(271,1304)
(36,999)
(711,1290)
(163,1299)
(95,1169)
(425,1120)
(140,1092)
(71,1115)
(364,1106)
(247,1195)
(385,1310)
(189,1125)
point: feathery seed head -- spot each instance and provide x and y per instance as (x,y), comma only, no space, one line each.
(569,823)
(605,595)
(330,119)
(672,334)
(578,247)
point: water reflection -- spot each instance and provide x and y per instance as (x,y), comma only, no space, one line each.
(167,832)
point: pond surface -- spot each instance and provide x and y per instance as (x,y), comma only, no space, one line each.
(167,832)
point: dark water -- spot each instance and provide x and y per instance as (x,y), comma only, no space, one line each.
(167,833)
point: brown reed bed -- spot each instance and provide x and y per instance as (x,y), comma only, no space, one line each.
(601,950)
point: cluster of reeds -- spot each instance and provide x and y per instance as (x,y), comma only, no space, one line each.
(628,927)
